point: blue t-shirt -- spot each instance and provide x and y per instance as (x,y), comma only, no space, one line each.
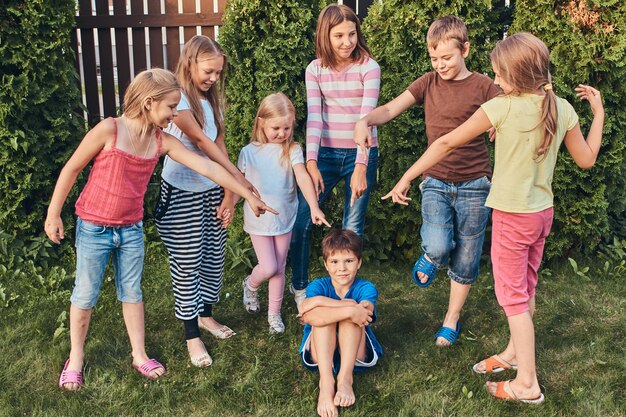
(360,290)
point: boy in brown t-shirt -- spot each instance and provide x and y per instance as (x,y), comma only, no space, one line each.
(454,216)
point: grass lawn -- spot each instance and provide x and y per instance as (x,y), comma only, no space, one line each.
(580,326)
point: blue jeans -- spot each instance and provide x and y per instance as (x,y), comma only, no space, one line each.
(94,245)
(454,218)
(334,164)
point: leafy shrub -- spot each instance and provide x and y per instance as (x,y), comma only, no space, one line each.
(587,46)
(39,95)
(396,34)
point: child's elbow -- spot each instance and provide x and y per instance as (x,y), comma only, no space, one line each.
(586,164)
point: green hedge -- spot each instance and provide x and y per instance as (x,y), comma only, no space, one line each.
(38,97)
(396,34)
(587,45)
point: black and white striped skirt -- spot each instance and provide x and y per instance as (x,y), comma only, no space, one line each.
(196,243)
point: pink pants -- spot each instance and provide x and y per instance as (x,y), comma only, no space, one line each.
(517,243)
(271,252)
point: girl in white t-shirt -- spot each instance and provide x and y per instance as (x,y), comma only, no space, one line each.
(273,163)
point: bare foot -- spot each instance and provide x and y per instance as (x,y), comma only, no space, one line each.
(210,323)
(139,360)
(422,276)
(449,322)
(516,390)
(345,394)
(198,353)
(76,364)
(481,367)
(325,405)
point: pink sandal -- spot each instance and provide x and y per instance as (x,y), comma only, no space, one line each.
(147,367)
(70,377)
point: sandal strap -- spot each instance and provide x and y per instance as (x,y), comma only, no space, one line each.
(150,365)
(449,334)
(427,268)
(496,361)
(501,393)
(69,376)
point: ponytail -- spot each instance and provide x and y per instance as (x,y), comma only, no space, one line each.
(548,121)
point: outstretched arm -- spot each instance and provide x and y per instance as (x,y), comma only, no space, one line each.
(586,152)
(212,170)
(476,125)
(214,150)
(379,116)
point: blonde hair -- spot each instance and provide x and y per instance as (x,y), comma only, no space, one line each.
(274,105)
(447,28)
(200,48)
(331,16)
(523,61)
(154,83)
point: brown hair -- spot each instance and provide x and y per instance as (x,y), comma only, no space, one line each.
(154,83)
(201,48)
(523,61)
(447,28)
(274,105)
(341,240)
(331,16)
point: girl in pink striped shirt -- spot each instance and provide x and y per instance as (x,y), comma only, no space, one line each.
(125,151)
(342,86)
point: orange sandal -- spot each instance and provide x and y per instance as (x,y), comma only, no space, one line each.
(493,365)
(503,394)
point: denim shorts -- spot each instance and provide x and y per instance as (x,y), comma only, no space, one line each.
(94,245)
(454,219)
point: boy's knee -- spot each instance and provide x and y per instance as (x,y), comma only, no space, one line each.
(438,252)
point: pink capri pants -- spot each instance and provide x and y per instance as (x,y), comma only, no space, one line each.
(517,246)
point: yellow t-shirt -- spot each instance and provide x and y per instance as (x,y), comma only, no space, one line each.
(522,183)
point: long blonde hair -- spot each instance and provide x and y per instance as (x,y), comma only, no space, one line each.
(331,16)
(275,105)
(154,83)
(200,48)
(523,61)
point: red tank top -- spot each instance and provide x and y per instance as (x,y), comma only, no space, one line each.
(116,186)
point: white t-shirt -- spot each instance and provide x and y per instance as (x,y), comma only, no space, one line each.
(179,175)
(276,182)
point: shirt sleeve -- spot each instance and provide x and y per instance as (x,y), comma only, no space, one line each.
(183,104)
(371,91)
(494,109)
(369,292)
(314,112)
(315,288)
(296,155)
(241,162)
(572,117)
(418,88)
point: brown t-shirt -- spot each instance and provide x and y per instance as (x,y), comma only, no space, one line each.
(447,104)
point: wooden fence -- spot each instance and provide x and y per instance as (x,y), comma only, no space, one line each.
(116,39)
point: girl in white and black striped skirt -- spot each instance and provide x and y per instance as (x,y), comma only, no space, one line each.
(192,213)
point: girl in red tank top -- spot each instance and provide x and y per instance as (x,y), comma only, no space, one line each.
(125,151)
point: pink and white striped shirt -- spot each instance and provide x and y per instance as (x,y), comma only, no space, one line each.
(336,100)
